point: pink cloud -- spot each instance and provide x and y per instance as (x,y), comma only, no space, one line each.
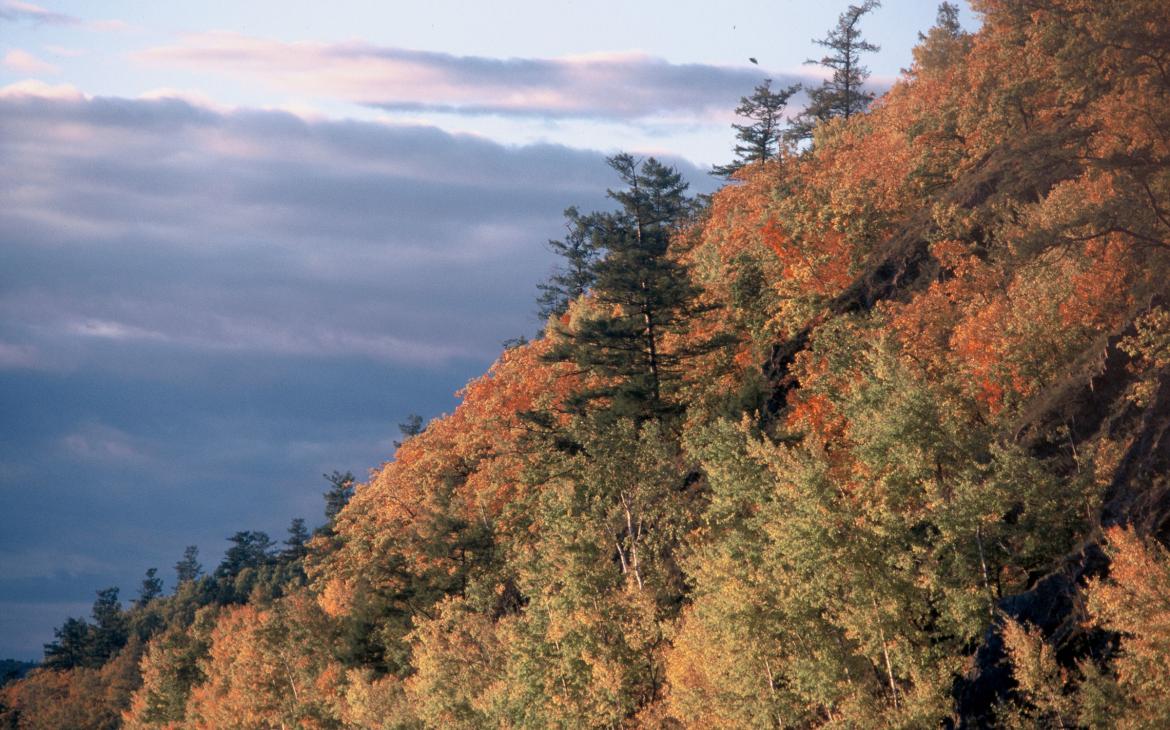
(26,63)
(610,85)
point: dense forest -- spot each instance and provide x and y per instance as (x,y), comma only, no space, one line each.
(878,435)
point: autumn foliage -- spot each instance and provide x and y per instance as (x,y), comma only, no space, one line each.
(924,480)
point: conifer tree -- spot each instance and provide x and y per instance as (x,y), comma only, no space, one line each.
(295,545)
(70,645)
(340,491)
(250,549)
(575,276)
(641,295)
(843,94)
(759,140)
(110,631)
(189,568)
(152,588)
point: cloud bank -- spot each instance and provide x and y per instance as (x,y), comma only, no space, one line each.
(157,221)
(597,86)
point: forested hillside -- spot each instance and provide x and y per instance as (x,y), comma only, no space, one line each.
(876,436)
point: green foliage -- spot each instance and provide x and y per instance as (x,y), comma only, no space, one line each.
(296,545)
(151,588)
(81,644)
(341,487)
(641,297)
(759,141)
(250,549)
(188,568)
(576,275)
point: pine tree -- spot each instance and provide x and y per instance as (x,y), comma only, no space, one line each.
(759,141)
(70,645)
(339,493)
(640,296)
(110,630)
(577,273)
(944,43)
(152,588)
(842,95)
(411,427)
(189,568)
(298,535)
(250,549)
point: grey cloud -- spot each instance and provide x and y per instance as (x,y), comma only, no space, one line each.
(603,86)
(158,220)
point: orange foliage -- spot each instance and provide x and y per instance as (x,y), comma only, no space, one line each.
(81,698)
(465,465)
(1134,602)
(268,667)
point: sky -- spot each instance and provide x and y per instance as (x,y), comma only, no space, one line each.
(241,242)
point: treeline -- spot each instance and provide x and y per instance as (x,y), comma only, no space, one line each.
(877,436)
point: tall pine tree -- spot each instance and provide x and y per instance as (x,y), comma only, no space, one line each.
(843,95)
(641,296)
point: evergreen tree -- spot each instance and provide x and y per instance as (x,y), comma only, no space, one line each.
(759,140)
(70,646)
(340,492)
(641,295)
(298,536)
(110,630)
(411,427)
(943,44)
(152,588)
(250,549)
(843,94)
(577,274)
(189,568)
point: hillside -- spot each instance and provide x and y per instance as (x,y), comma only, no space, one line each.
(888,445)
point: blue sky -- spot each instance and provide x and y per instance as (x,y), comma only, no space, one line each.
(240,242)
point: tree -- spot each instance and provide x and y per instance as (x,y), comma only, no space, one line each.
(340,492)
(411,427)
(189,568)
(70,647)
(250,549)
(759,141)
(110,630)
(577,274)
(152,588)
(298,536)
(942,45)
(641,296)
(842,95)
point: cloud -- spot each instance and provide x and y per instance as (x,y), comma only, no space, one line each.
(40,90)
(601,86)
(17,356)
(25,563)
(159,223)
(17,11)
(25,625)
(25,62)
(99,442)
